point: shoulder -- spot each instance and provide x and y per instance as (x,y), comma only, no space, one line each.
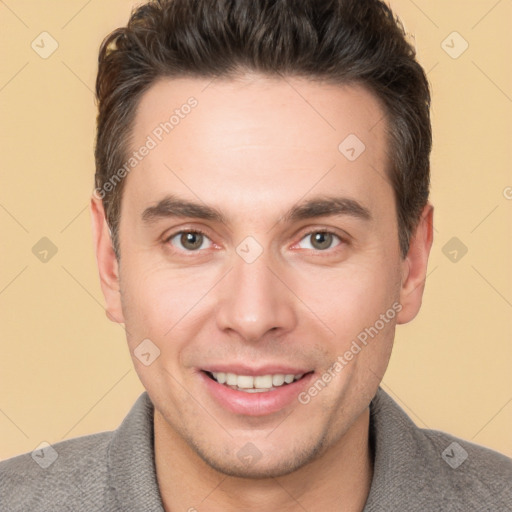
(104,472)
(424,469)
(55,476)
(465,470)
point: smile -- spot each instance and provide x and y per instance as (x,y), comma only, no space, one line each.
(254,384)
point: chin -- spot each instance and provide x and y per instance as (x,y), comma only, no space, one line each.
(249,462)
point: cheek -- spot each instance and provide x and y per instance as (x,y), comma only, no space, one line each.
(347,300)
(158,302)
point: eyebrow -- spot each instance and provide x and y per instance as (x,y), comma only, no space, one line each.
(326,206)
(171,206)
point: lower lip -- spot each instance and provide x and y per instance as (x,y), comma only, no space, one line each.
(255,404)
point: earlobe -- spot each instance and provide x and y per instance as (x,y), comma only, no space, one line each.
(108,266)
(414,267)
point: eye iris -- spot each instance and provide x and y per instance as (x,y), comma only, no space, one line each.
(321,240)
(191,240)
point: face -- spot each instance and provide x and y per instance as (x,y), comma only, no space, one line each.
(258,249)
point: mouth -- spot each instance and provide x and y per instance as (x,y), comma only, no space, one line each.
(244,390)
(257,383)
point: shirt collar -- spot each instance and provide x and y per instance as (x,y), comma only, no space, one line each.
(131,461)
(398,456)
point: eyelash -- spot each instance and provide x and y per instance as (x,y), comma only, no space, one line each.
(194,231)
(343,241)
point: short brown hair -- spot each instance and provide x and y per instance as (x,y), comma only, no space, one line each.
(340,41)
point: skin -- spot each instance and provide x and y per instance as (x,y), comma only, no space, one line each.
(253,148)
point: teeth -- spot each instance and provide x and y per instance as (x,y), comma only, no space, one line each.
(245,381)
(263,381)
(230,379)
(257,384)
(278,380)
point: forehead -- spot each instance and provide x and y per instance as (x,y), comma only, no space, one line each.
(273,137)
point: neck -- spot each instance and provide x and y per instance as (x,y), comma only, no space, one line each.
(339,479)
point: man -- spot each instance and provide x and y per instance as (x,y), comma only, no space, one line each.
(261,225)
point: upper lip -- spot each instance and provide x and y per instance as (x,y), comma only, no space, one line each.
(255,372)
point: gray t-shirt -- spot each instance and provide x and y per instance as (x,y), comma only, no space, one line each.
(414,470)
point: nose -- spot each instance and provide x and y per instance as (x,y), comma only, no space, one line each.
(254,301)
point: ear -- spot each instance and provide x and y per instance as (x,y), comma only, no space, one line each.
(414,267)
(108,265)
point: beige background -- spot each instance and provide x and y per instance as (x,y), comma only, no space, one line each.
(64,368)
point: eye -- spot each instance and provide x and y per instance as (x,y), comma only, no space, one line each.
(190,240)
(319,240)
